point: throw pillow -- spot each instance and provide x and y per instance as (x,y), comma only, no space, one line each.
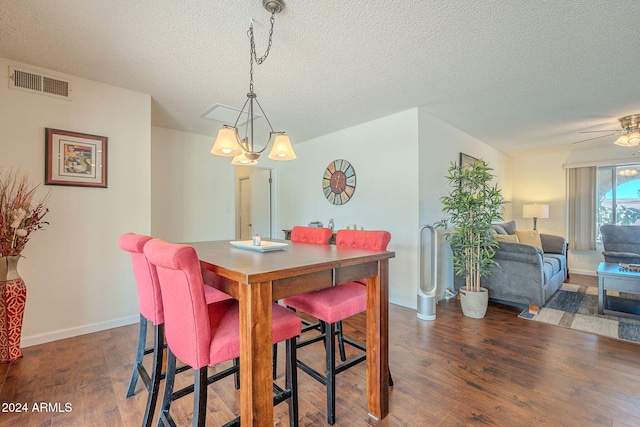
(509,227)
(529,237)
(507,238)
(499,230)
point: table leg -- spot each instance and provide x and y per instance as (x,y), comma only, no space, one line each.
(377,342)
(256,393)
(601,295)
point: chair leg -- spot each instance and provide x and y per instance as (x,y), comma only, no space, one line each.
(274,361)
(291,381)
(236,375)
(329,340)
(142,337)
(156,376)
(200,397)
(343,355)
(170,377)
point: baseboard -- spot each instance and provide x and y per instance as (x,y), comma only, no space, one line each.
(80,330)
(583,272)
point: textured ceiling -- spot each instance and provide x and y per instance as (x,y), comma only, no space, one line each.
(517,75)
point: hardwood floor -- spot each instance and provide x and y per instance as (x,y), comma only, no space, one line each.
(453,371)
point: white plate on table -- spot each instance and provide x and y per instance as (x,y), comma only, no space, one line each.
(264,247)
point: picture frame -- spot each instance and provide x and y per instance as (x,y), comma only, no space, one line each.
(75,159)
(466,160)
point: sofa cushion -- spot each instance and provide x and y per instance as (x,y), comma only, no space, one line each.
(547,270)
(529,237)
(561,259)
(554,263)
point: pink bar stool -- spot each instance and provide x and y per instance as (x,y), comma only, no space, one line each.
(317,236)
(202,335)
(332,305)
(150,307)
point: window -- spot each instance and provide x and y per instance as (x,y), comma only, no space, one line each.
(618,195)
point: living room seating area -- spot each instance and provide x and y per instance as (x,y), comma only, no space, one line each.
(530,266)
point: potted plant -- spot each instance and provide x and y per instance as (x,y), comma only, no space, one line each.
(471,207)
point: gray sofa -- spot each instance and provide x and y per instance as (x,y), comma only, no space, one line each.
(525,274)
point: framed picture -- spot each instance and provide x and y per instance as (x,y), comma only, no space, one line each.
(76,159)
(466,160)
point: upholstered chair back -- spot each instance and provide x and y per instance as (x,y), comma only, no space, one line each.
(149,295)
(317,235)
(621,243)
(363,239)
(186,314)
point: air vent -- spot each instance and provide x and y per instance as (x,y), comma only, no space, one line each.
(38,83)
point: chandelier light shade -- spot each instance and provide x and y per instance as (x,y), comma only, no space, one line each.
(242,160)
(535,211)
(282,149)
(228,142)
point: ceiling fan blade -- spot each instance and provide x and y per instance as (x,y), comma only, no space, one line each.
(597,137)
(592,131)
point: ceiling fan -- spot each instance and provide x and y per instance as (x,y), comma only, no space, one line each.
(630,132)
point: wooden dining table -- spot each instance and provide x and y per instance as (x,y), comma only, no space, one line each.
(256,279)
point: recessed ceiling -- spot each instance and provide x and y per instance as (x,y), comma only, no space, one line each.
(517,75)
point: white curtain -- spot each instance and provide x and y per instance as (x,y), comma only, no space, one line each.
(582,208)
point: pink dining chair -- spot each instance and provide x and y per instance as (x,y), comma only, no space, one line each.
(151,310)
(334,304)
(202,335)
(313,235)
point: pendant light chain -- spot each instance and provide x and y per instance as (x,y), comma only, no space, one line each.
(254,56)
(228,141)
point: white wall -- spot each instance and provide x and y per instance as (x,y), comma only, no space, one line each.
(384,155)
(441,144)
(541,179)
(193,192)
(78,280)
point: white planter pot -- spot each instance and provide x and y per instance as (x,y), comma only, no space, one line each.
(474,304)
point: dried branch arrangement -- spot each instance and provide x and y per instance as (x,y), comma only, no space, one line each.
(19,214)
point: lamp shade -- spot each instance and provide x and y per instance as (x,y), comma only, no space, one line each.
(282,149)
(634,138)
(623,141)
(226,143)
(242,160)
(535,210)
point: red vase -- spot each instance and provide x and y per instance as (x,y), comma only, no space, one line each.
(13,295)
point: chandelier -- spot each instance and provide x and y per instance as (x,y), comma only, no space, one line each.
(228,142)
(631,131)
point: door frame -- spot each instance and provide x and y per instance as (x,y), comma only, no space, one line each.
(243,172)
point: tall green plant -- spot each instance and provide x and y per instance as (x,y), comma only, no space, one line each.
(471,207)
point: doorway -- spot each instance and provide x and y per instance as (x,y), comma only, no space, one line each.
(253,202)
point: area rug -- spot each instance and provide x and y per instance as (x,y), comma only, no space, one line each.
(576,307)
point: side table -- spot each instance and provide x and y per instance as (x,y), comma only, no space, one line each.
(612,278)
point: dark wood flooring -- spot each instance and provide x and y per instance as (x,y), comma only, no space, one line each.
(453,371)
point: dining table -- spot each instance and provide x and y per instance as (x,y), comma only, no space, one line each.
(258,276)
